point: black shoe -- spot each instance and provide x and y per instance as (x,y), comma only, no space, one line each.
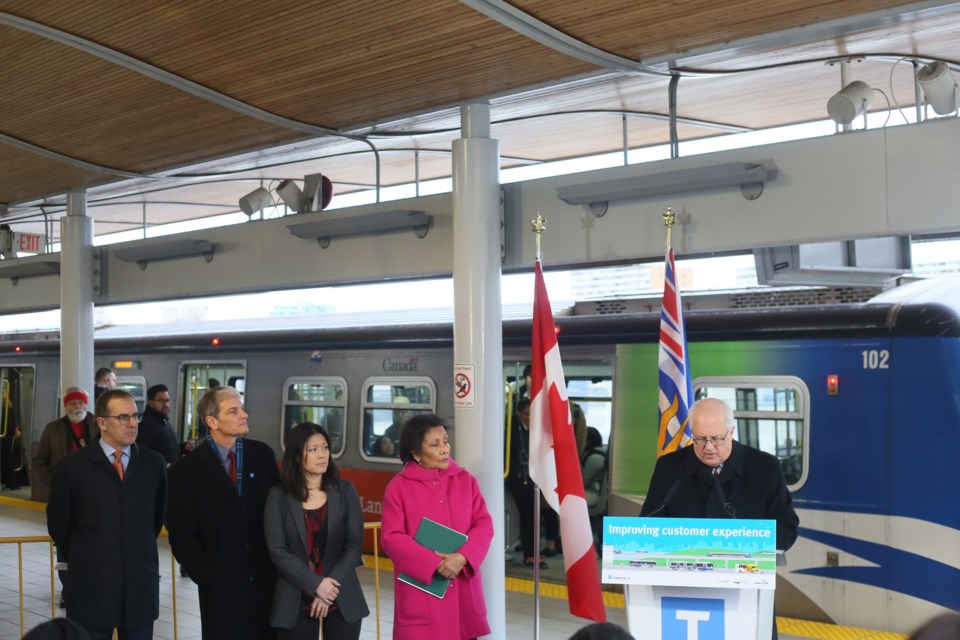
(548,553)
(63,602)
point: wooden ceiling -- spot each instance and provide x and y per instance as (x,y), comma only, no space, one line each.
(382,67)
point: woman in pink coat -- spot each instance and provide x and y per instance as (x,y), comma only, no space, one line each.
(432,485)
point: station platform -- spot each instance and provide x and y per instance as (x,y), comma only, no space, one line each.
(21,518)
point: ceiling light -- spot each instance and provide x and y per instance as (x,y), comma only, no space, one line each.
(851,101)
(291,195)
(749,177)
(347,223)
(939,86)
(255,201)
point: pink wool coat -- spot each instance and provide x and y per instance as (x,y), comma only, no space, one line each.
(452,498)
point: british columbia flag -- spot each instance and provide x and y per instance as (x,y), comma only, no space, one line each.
(676,392)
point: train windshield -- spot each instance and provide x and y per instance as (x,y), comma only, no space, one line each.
(771,415)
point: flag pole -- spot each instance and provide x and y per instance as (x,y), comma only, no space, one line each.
(539,225)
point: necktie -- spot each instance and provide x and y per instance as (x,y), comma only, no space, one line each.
(118,463)
(232,467)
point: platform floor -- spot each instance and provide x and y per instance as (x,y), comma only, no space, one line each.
(556,623)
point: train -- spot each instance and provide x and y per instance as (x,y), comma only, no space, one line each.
(859,402)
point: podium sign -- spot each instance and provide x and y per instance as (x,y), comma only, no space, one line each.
(693,578)
(690,552)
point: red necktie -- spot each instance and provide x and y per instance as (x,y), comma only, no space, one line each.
(231,468)
(118,463)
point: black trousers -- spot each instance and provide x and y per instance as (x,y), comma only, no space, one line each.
(523,496)
(334,628)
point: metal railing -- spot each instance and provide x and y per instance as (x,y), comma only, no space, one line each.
(22,540)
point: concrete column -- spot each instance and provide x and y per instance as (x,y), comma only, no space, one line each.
(478,334)
(76,296)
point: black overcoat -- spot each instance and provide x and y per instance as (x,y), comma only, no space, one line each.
(751,480)
(217,536)
(107,529)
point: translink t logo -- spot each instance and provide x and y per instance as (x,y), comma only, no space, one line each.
(691,618)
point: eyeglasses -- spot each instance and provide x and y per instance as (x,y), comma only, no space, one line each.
(127,417)
(716,441)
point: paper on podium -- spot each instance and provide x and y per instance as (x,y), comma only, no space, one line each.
(436,537)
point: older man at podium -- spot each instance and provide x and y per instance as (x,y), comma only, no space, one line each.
(718,477)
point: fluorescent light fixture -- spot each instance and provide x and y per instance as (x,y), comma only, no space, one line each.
(346,223)
(848,103)
(256,200)
(939,86)
(291,195)
(144,252)
(41,265)
(749,177)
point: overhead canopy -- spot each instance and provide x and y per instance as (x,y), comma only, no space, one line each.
(135,100)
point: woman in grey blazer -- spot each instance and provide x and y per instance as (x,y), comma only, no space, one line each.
(314,531)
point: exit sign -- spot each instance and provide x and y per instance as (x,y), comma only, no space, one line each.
(28,243)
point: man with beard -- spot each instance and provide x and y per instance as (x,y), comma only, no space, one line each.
(71,432)
(156,432)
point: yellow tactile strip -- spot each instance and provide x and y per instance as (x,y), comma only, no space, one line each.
(824,631)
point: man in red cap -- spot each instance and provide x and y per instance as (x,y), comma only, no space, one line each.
(71,432)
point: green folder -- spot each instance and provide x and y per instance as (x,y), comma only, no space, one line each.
(436,537)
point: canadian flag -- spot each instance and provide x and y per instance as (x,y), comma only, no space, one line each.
(554,464)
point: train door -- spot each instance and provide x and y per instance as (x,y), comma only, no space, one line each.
(194,379)
(320,400)
(16,418)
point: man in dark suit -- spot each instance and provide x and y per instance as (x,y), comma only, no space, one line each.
(156,432)
(217,497)
(718,477)
(105,512)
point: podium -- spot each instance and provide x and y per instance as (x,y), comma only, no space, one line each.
(693,578)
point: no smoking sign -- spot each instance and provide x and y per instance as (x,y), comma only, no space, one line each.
(463,387)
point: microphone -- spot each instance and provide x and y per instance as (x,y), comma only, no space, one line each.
(672,492)
(727,507)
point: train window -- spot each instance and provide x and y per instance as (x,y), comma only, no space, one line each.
(772,414)
(195,378)
(16,424)
(387,404)
(135,386)
(322,401)
(589,387)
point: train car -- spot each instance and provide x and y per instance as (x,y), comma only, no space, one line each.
(852,400)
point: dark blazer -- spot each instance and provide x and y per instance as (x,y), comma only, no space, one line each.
(107,529)
(217,536)
(286,533)
(752,484)
(156,433)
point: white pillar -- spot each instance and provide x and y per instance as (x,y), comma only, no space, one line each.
(478,332)
(76,296)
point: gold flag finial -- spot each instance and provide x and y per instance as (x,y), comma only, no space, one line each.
(539,225)
(669,217)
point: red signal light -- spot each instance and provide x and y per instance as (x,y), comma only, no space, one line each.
(833,384)
(17,349)
(215,342)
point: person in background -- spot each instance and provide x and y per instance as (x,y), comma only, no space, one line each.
(104,380)
(105,513)
(74,430)
(519,482)
(431,485)
(593,464)
(314,530)
(602,631)
(156,432)
(385,447)
(943,627)
(215,520)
